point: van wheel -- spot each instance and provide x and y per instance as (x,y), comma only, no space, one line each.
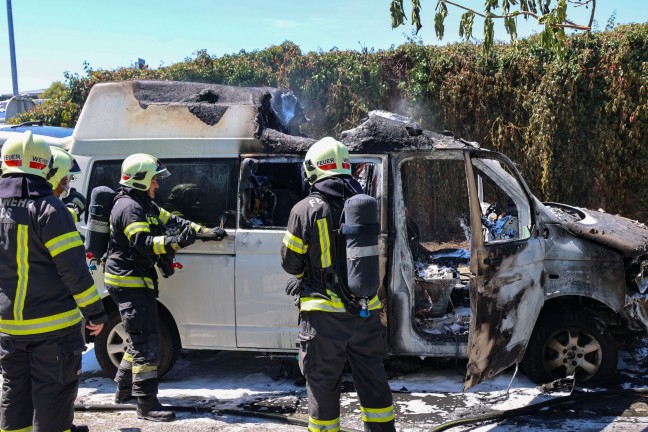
(110,346)
(563,344)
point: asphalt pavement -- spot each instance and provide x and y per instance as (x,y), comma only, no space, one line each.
(210,386)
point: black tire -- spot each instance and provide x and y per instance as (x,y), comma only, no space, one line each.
(568,342)
(111,343)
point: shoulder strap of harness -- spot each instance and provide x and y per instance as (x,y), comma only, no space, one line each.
(338,269)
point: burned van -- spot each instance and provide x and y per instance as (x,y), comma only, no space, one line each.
(472,264)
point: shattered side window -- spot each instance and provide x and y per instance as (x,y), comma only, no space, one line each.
(435,197)
(366,173)
(503,203)
(269,190)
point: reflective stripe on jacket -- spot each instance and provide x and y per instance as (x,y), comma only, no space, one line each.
(137,238)
(309,240)
(45,284)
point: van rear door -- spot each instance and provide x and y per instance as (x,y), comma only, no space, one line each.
(506,264)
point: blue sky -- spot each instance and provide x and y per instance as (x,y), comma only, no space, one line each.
(52,37)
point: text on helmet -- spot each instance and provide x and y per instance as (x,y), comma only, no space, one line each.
(327,164)
(38,162)
(13,160)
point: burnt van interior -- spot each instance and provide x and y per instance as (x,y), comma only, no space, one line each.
(270,188)
(437,215)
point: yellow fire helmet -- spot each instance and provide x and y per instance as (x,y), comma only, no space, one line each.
(26,154)
(63,164)
(139,169)
(326,158)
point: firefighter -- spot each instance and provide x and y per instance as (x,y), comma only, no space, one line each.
(62,171)
(332,331)
(45,291)
(141,233)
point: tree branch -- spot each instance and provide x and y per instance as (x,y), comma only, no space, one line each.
(567,24)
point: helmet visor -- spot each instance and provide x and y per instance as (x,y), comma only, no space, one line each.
(161,172)
(75,169)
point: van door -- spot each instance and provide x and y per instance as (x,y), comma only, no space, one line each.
(506,264)
(200,296)
(269,187)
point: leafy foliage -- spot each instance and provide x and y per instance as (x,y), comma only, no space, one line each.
(576,124)
(56,89)
(552,15)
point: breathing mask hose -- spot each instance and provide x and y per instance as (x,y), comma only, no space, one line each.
(500,415)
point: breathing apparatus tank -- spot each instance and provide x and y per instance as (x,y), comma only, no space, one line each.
(98,234)
(360,230)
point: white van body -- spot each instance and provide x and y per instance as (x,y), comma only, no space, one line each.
(234,143)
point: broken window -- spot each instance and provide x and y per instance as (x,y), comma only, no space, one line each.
(503,203)
(436,204)
(268,190)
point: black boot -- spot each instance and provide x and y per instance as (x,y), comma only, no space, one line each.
(79,429)
(124,396)
(149,408)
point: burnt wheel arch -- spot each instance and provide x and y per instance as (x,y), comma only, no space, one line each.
(564,342)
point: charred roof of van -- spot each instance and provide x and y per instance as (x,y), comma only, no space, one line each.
(380,132)
(226,118)
(279,109)
(281,116)
(388,132)
(229,119)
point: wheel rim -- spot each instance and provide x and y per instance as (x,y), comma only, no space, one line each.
(572,351)
(116,343)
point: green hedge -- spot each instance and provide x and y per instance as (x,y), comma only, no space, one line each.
(577,127)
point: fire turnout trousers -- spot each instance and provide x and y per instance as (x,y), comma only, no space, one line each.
(40,381)
(327,340)
(139,314)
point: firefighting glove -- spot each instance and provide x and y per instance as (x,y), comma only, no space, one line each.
(76,201)
(217,234)
(185,238)
(294,286)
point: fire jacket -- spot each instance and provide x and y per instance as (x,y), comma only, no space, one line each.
(139,234)
(309,248)
(45,284)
